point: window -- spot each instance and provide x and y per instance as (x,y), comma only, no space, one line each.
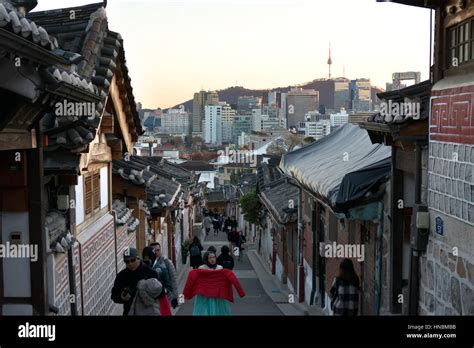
(91,193)
(460,41)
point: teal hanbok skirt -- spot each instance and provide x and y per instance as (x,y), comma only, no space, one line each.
(211,306)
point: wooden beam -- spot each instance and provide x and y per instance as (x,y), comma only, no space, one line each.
(15,141)
(121,116)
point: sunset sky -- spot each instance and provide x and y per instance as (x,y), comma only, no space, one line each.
(175,48)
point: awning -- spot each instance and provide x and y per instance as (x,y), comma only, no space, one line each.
(322,166)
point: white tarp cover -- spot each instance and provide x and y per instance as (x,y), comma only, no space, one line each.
(322,165)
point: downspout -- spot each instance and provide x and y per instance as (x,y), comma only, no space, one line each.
(300,251)
(314,225)
(378,257)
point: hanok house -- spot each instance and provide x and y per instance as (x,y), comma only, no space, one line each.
(446,271)
(217,201)
(29,60)
(66,196)
(344,203)
(408,137)
(157,192)
(277,235)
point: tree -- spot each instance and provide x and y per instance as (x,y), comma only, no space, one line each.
(285,145)
(251,206)
(176,141)
(309,140)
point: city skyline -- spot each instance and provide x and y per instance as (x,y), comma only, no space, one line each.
(171,55)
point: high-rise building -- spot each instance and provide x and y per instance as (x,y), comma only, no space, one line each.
(339,119)
(361,96)
(246,104)
(318,129)
(274,98)
(242,124)
(282,112)
(201,99)
(326,90)
(342,96)
(213,124)
(300,101)
(176,121)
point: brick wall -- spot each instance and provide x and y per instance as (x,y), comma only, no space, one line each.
(62,298)
(124,240)
(98,267)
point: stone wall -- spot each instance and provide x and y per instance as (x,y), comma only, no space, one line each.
(447,281)
(450,180)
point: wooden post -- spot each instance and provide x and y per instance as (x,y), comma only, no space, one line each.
(37,231)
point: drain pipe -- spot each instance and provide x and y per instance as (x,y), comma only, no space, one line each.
(378,262)
(314,226)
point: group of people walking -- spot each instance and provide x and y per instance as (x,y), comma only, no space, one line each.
(148,285)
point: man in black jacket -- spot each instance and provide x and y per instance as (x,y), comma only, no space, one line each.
(126,281)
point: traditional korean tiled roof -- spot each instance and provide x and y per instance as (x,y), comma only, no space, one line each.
(275,193)
(85,34)
(198,166)
(216,196)
(167,169)
(21,37)
(14,21)
(60,237)
(419,93)
(124,216)
(141,173)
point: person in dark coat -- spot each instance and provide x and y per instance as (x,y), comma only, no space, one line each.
(225,259)
(195,253)
(126,281)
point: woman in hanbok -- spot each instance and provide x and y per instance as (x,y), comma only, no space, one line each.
(211,284)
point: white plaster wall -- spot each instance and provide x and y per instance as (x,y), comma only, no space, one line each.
(104,187)
(79,188)
(16,271)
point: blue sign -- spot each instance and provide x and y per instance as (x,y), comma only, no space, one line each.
(439,226)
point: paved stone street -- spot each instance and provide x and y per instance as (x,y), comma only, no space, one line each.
(256,300)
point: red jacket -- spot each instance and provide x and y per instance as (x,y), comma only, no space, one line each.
(212,283)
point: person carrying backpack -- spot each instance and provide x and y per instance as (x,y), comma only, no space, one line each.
(233,238)
(240,241)
(225,259)
(195,253)
(167,274)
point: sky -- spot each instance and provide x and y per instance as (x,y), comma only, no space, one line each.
(177,47)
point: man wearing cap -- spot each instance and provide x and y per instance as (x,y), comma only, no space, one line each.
(125,284)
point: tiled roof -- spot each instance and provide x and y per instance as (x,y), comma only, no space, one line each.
(60,237)
(419,93)
(125,216)
(275,192)
(14,21)
(141,173)
(199,166)
(167,169)
(101,51)
(216,196)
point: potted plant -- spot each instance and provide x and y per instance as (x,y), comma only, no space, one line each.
(185,250)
